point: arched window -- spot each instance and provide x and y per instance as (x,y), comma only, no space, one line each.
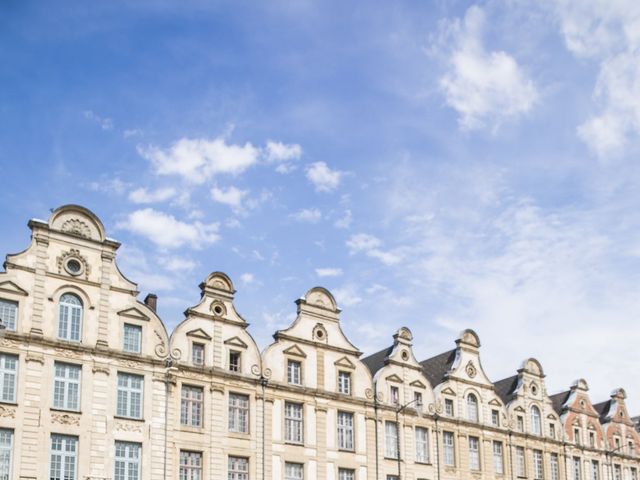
(536,427)
(472,408)
(70,317)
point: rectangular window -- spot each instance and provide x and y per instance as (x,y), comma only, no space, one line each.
(521,470)
(538,468)
(577,469)
(6,446)
(552,430)
(293,471)
(64,457)
(127,461)
(294,372)
(8,377)
(495,418)
(345,431)
(190,465)
(238,468)
(393,477)
(630,445)
(344,383)
(449,449)
(474,453)
(617,472)
(555,467)
(191,406)
(634,473)
(9,313)
(592,439)
(197,354)
(595,470)
(130,389)
(391,439)
(520,423)
(66,386)
(498,459)
(238,413)
(417,399)
(448,407)
(395,395)
(234,361)
(346,474)
(132,338)
(576,436)
(422,445)
(293,426)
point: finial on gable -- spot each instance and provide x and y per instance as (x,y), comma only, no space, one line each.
(468,338)
(218,284)
(319,302)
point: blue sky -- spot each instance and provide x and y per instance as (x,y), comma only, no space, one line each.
(439,165)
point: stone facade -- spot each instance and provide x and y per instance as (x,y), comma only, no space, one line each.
(94,387)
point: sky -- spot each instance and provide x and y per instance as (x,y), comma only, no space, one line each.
(436,165)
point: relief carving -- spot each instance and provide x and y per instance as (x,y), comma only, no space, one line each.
(65,419)
(7,412)
(76,227)
(128,427)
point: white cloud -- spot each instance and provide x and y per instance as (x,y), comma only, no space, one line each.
(167,232)
(247,278)
(114,185)
(177,264)
(197,160)
(344,221)
(281,152)
(347,296)
(485,88)
(133,132)
(104,122)
(142,195)
(328,272)
(232,196)
(309,215)
(323,178)
(609,33)
(370,246)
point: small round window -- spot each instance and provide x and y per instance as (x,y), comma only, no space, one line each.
(534,390)
(217,310)
(73,266)
(405,355)
(320,333)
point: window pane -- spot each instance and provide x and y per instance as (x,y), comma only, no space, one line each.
(9,313)
(132,338)
(8,377)
(63,458)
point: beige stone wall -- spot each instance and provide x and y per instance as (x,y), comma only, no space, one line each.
(36,278)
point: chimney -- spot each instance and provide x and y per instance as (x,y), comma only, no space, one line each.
(151,301)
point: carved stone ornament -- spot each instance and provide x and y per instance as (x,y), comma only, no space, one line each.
(66,257)
(218,308)
(65,419)
(7,412)
(471,369)
(320,333)
(77,227)
(128,427)
(5,342)
(63,352)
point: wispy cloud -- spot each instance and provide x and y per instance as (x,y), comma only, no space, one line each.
(328,272)
(167,232)
(323,178)
(197,160)
(485,88)
(283,155)
(608,33)
(142,195)
(309,215)
(105,122)
(232,196)
(371,246)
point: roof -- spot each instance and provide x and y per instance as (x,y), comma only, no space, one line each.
(636,421)
(603,409)
(558,400)
(376,361)
(435,368)
(505,388)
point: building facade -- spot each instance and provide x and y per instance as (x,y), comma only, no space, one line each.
(94,387)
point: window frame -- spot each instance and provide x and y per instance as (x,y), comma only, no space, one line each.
(345,432)
(8,305)
(536,420)
(196,346)
(344,388)
(296,465)
(294,422)
(239,412)
(235,465)
(474,454)
(6,451)
(67,382)
(63,456)
(473,408)
(69,317)
(8,372)
(136,327)
(422,445)
(191,407)
(449,448)
(391,440)
(129,392)
(190,468)
(294,368)
(498,457)
(126,460)
(233,365)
